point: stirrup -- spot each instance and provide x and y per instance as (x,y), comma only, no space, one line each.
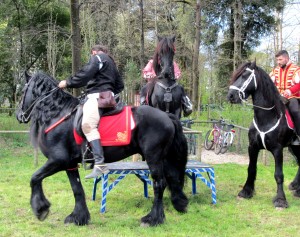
(97,171)
(296,141)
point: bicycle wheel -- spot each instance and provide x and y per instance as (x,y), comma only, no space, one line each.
(224,145)
(218,144)
(209,140)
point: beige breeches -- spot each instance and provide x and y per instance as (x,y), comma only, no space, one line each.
(91,117)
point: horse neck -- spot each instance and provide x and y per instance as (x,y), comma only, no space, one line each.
(54,108)
(268,111)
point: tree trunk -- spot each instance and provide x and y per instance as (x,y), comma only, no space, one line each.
(237,16)
(76,40)
(142,42)
(195,67)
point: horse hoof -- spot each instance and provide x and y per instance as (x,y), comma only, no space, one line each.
(43,215)
(143,224)
(239,198)
(279,208)
(292,187)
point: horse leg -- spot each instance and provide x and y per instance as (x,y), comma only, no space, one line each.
(39,203)
(175,180)
(248,189)
(156,216)
(279,200)
(80,214)
(295,184)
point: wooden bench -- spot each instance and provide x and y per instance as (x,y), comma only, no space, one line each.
(194,170)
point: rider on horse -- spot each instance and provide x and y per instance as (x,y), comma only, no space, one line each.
(149,74)
(286,77)
(100,74)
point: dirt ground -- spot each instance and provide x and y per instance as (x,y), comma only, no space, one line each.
(210,157)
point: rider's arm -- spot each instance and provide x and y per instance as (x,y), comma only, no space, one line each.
(148,71)
(296,87)
(177,71)
(87,72)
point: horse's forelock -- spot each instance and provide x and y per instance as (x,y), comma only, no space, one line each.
(237,73)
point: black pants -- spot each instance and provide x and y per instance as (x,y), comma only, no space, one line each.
(294,109)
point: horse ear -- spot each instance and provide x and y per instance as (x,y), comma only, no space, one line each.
(254,63)
(27,76)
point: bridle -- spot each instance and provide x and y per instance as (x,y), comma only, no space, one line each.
(242,97)
(246,83)
(34,103)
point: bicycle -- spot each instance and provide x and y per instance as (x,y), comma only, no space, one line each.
(214,136)
(228,138)
(191,138)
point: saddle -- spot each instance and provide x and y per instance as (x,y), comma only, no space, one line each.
(115,125)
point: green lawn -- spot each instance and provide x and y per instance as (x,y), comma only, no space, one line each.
(126,204)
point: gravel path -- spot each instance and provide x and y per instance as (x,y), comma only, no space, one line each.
(210,157)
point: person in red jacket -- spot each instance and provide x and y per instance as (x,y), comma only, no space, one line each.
(98,75)
(286,77)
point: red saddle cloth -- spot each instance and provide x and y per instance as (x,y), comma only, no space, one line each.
(114,130)
(289,120)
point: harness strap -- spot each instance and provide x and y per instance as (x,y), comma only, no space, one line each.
(262,134)
(60,121)
(73,169)
(168,89)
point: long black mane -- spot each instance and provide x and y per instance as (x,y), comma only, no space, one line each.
(49,109)
(264,83)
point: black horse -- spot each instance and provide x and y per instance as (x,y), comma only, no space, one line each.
(158,137)
(269,129)
(165,93)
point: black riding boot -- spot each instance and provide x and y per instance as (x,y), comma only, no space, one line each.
(100,167)
(143,94)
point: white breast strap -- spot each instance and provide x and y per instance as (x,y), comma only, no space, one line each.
(262,134)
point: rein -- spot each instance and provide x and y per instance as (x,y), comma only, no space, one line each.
(32,106)
(244,87)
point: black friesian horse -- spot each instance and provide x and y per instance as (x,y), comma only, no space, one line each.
(167,93)
(158,137)
(269,129)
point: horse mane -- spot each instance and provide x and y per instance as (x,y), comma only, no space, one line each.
(164,46)
(264,82)
(51,107)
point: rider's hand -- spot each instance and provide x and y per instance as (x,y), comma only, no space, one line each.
(62,84)
(287,93)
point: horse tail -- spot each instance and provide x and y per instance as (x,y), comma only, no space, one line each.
(174,166)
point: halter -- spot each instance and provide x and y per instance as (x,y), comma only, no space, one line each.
(244,87)
(34,103)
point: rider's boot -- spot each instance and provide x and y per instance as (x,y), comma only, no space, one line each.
(99,167)
(143,94)
(187,106)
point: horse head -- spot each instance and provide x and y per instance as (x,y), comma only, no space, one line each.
(163,57)
(243,83)
(23,112)
(35,90)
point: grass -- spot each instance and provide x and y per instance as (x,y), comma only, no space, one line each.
(126,204)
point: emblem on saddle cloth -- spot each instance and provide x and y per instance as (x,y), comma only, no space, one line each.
(115,130)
